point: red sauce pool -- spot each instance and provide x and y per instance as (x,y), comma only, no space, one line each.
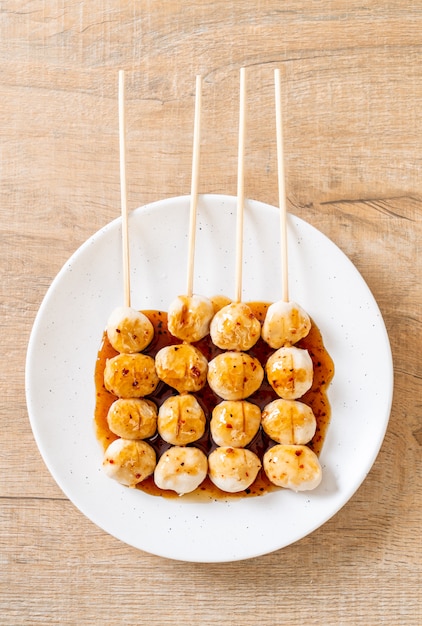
(316,398)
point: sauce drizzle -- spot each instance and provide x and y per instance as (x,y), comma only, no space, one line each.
(316,398)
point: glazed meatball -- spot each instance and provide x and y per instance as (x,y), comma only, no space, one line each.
(129,330)
(234,375)
(130,375)
(182,367)
(285,324)
(289,421)
(132,418)
(235,327)
(235,423)
(290,372)
(181,469)
(129,462)
(292,467)
(189,317)
(181,420)
(233,469)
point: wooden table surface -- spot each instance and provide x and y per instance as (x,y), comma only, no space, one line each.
(352,99)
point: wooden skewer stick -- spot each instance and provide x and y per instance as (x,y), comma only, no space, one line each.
(240,186)
(123,190)
(194,185)
(281,187)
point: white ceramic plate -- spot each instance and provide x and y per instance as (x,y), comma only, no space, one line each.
(66,337)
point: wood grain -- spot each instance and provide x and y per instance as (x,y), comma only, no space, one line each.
(352,88)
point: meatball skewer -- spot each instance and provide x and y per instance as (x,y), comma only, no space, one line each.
(290,463)
(130,376)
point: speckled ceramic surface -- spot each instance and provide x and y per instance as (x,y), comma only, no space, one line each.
(66,337)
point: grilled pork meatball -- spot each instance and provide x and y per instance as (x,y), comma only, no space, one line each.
(129,330)
(181,469)
(235,327)
(285,324)
(132,418)
(235,423)
(182,366)
(290,372)
(189,317)
(130,375)
(181,420)
(289,421)
(292,467)
(129,462)
(234,375)
(233,469)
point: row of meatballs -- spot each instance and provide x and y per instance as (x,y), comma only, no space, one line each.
(180,421)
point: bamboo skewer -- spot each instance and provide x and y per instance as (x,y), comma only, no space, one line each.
(128,331)
(194,185)
(285,322)
(189,316)
(123,190)
(240,186)
(234,326)
(281,187)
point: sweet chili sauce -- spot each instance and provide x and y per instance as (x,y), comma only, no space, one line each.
(316,398)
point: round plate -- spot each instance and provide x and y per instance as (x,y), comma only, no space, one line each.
(67,333)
